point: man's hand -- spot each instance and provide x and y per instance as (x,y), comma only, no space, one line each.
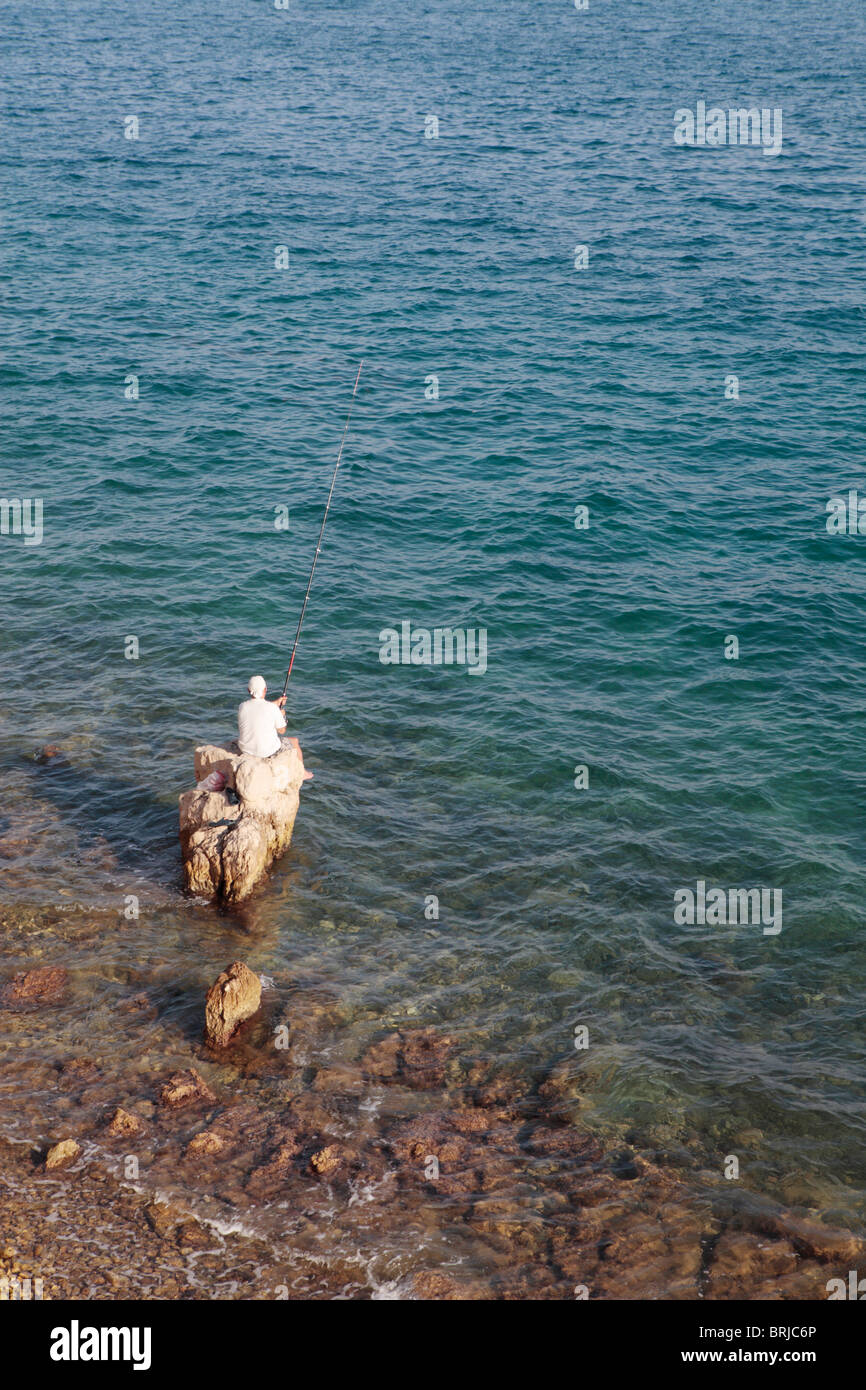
(281,703)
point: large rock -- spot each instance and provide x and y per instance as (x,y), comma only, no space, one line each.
(234,997)
(230,837)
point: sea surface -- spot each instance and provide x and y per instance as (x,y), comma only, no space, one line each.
(150,264)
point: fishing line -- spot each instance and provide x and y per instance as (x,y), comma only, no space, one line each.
(322,532)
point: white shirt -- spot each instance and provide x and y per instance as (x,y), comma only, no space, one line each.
(258,725)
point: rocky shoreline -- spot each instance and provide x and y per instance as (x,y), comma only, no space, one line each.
(508,1194)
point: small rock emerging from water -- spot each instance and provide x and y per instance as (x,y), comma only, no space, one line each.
(205,1142)
(62,1154)
(122,1123)
(232,999)
(327,1161)
(48,752)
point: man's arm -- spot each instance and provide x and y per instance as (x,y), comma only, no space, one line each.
(279,705)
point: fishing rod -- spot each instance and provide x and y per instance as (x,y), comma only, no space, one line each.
(322,532)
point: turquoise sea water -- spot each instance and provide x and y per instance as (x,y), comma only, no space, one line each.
(454,257)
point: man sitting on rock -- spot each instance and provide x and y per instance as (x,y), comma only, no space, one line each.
(260,723)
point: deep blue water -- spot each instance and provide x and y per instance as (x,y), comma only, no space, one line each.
(558,387)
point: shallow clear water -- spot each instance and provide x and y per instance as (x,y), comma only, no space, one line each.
(604,387)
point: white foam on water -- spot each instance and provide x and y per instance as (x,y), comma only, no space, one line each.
(368,1191)
(372,1104)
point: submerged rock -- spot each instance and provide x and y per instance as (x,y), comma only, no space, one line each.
(470,1159)
(809,1239)
(78,1072)
(430,1284)
(433,1285)
(562,1092)
(140,1005)
(269,1178)
(33,989)
(415,1057)
(164,1218)
(234,997)
(230,837)
(741,1257)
